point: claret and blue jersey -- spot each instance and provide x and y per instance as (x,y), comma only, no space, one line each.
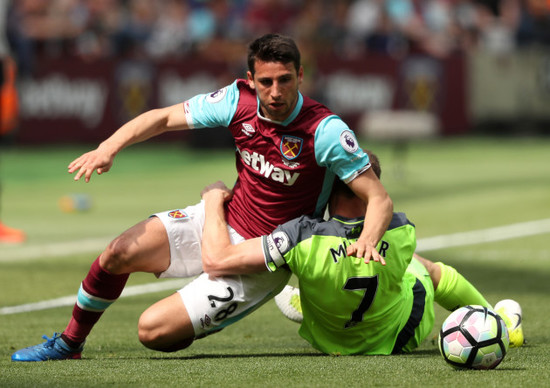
(285,169)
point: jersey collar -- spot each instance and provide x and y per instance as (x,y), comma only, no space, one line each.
(348,221)
(352,226)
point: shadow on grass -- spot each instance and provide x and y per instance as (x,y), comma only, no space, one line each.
(421,353)
(250,355)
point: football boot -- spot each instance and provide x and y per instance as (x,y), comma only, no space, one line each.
(53,349)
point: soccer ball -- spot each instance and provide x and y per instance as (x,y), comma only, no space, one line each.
(473,337)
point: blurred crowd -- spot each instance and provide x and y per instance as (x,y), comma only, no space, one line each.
(93,29)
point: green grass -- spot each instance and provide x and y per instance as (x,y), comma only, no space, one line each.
(444,186)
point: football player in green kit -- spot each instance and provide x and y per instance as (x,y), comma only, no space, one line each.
(349,307)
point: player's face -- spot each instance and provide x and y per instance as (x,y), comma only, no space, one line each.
(276,85)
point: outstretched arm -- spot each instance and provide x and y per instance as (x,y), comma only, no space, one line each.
(219,256)
(377,217)
(141,128)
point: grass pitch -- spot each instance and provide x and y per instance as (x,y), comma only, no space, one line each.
(445,187)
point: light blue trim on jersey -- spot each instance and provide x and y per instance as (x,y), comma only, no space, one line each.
(290,118)
(326,189)
(330,153)
(213,110)
(296,110)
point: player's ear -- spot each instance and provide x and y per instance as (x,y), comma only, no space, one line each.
(300,75)
(250,79)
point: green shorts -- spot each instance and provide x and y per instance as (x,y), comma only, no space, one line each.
(422,314)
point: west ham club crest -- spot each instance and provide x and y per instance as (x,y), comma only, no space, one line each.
(291,146)
(177,214)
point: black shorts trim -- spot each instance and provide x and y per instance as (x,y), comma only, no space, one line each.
(419,303)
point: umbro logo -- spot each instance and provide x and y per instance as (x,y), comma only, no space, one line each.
(248,129)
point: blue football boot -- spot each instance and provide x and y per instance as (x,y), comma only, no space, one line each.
(53,349)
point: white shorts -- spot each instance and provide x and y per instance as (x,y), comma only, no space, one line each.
(215,302)
(212,302)
(184,230)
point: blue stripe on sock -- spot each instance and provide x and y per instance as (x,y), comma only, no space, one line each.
(88,303)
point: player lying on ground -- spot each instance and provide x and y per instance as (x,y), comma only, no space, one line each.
(289,150)
(349,305)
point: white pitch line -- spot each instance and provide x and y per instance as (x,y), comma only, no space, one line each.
(481,236)
(506,232)
(148,288)
(522,229)
(44,251)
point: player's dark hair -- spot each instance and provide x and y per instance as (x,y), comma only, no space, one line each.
(273,48)
(340,187)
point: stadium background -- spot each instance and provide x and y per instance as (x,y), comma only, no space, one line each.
(86,67)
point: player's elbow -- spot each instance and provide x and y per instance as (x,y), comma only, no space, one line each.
(384,203)
(208,262)
(389,204)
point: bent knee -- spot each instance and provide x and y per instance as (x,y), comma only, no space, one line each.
(117,257)
(142,248)
(434,270)
(148,331)
(153,335)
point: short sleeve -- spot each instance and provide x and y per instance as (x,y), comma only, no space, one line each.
(214,109)
(337,148)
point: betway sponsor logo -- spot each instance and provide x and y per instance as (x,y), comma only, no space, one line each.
(258,163)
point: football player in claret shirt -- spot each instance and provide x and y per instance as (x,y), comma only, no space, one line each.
(289,150)
(348,306)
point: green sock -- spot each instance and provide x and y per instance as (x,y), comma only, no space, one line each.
(455,291)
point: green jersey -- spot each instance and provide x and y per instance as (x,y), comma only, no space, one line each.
(350,307)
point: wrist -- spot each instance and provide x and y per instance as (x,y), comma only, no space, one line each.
(367,241)
(213,197)
(108,148)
